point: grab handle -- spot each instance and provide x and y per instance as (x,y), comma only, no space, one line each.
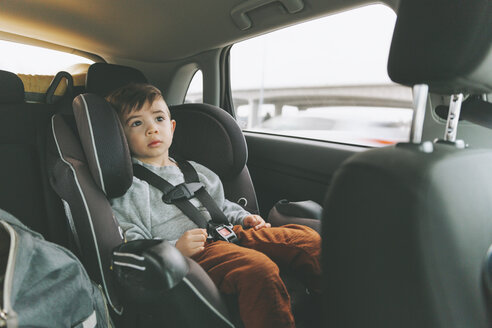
(242,20)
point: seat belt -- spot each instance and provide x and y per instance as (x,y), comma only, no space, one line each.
(180,195)
(191,176)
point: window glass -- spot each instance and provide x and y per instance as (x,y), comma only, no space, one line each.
(325,79)
(24,59)
(195,90)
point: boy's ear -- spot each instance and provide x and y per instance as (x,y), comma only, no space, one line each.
(173,125)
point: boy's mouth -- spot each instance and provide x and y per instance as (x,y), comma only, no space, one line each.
(154,143)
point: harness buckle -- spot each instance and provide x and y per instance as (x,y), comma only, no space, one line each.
(221,232)
(183,191)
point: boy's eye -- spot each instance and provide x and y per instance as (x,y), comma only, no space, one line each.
(159,118)
(136,123)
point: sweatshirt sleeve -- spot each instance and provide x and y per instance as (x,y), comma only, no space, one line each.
(132,210)
(234,213)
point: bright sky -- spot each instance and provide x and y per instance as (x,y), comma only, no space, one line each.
(347,48)
(19,58)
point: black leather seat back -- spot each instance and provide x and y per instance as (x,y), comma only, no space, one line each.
(24,188)
(405,234)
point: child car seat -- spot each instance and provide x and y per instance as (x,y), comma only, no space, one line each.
(83,181)
(217,136)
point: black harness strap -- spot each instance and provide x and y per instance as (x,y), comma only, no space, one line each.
(184,205)
(191,176)
(179,195)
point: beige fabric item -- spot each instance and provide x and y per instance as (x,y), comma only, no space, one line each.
(78,72)
(40,84)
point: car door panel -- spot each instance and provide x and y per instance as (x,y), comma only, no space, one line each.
(292,168)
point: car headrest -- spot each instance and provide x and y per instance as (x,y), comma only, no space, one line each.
(11,88)
(445,44)
(104,144)
(102,78)
(210,136)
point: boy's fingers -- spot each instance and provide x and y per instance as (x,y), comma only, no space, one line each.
(258,220)
(196,244)
(262,225)
(199,237)
(197,232)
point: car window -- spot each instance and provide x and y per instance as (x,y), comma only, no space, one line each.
(195,90)
(312,81)
(24,59)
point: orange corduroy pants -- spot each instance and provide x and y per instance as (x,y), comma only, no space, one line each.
(250,270)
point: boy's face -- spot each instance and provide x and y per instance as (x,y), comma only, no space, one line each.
(149,132)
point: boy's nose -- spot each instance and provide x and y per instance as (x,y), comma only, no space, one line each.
(152,129)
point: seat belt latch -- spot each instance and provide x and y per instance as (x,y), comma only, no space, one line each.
(183,191)
(221,232)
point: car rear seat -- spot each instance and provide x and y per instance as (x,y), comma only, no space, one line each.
(24,189)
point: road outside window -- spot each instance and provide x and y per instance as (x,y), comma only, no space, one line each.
(324,80)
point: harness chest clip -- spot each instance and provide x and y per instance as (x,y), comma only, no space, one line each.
(182,191)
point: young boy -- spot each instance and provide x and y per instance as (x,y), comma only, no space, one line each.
(246,269)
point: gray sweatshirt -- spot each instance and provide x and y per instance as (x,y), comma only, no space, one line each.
(143,215)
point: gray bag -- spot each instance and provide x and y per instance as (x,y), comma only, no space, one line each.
(44,285)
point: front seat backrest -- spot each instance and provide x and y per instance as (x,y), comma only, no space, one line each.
(406,228)
(405,234)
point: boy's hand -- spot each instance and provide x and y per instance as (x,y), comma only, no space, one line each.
(192,242)
(256,222)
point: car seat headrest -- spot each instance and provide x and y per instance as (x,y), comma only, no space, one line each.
(104,144)
(102,78)
(210,136)
(11,88)
(445,44)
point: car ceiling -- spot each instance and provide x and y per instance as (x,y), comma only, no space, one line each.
(150,30)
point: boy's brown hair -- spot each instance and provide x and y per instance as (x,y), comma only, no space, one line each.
(132,97)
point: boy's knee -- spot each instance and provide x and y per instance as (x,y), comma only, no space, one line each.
(304,232)
(260,266)
(266,266)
